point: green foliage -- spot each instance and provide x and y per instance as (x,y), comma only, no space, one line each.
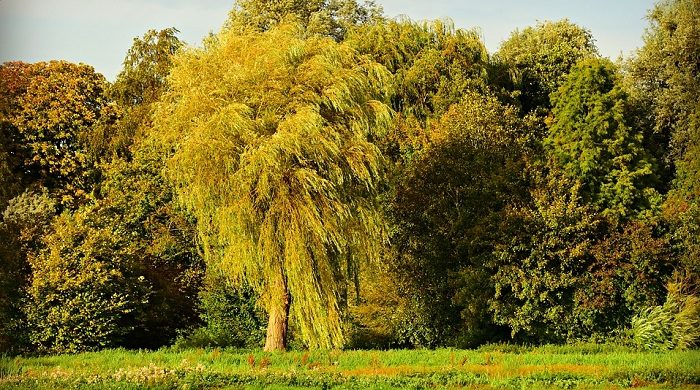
(137,204)
(538,267)
(434,66)
(276,164)
(684,218)
(230,315)
(29,215)
(590,139)
(381,311)
(666,77)
(539,57)
(128,246)
(122,270)
(563,273)
(146,68)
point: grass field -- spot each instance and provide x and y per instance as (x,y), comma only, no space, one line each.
(584,366)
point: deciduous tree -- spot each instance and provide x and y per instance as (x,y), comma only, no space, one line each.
(666,79)
(62,103)
(270,133)
(14,79)
(540,56)
(138,86)
(445,215)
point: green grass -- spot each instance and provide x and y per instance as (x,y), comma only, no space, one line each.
(583,366)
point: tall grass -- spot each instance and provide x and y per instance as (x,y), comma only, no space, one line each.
(9,367)
(674,325)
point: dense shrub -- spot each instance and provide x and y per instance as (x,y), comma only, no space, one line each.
(81,293)
(231,317)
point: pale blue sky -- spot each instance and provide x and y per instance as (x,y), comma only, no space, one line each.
(99,32)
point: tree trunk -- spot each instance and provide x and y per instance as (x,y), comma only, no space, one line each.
(276,339)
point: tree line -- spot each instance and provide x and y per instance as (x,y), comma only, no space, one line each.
(317,175)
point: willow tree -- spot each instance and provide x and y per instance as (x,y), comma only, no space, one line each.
(271,149)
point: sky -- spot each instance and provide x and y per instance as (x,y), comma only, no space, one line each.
(99,32)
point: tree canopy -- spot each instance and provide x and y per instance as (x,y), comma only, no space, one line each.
(58,110)
(333,18)
(539,57)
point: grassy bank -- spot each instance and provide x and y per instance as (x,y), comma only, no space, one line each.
(588,366)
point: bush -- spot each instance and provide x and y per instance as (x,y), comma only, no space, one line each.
(82,293)
(674,325)
(231,317)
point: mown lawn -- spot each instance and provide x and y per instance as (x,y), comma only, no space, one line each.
(584,366)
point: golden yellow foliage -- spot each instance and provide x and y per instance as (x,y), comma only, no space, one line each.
(270,134)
